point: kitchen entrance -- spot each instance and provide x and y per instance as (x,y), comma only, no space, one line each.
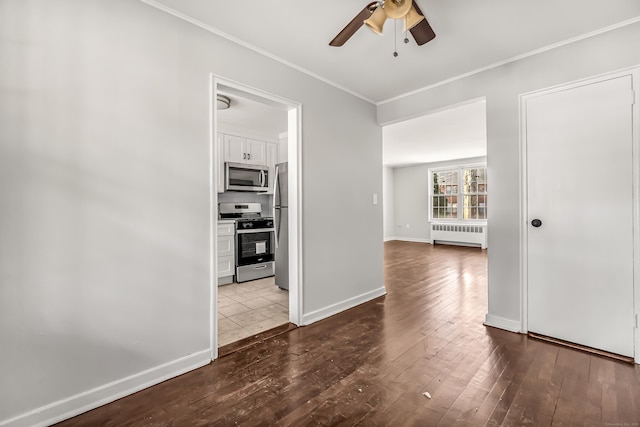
(256,286)
(251,302)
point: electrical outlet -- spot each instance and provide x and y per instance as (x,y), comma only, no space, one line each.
(375,199)
(408,226)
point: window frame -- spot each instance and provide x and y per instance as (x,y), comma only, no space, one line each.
(460,194)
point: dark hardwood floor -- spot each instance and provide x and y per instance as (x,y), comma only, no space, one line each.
(371,365)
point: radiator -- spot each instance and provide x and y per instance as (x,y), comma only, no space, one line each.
(459,234)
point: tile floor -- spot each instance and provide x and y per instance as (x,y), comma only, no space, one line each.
(245,309)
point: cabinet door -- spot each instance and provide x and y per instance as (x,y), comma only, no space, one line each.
(256,152)
(226,266)
(225,246)
(226,228)
(234,149)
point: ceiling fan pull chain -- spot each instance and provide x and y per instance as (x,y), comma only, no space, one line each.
(406,29)
(395,38)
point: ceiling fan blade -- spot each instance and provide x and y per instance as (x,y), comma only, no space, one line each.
(422,32)
(354,25)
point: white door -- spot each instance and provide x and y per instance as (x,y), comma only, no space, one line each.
(579,186)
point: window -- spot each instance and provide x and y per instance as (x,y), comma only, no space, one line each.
(459,193)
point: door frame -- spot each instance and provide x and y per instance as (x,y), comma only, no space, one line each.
(294,152)
(634,72)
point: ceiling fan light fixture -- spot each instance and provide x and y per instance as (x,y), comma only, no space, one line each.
(413,18)
(222,102)
(376,21)
(397,9)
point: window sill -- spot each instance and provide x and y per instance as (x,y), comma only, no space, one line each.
(458,222)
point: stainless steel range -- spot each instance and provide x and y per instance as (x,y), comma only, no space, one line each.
(255,240)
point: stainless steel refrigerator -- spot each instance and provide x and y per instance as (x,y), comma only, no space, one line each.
(281,216)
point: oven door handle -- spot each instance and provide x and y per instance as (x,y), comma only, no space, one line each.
(255,230)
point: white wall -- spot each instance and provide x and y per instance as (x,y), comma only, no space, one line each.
(388,201)
(502,86)
(104,194)
(411,198)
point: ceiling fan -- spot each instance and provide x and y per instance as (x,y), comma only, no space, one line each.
(376,13)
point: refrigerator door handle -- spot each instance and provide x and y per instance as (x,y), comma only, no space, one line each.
(276,212)
(276,190)
(278,218)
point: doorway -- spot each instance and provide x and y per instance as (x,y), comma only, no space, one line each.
(271,136)
(450,137)
(580,211)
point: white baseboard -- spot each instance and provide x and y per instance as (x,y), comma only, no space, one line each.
(388,239)
(502,323)
(83,402)
(413,239)
(332,309)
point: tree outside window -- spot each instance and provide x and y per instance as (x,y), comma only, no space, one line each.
(465,184)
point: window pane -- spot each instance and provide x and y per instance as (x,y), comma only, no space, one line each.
(470,183)
(436,183)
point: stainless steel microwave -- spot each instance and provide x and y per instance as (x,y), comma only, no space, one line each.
(243,177)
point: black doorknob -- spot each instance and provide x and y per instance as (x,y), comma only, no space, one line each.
(536,223)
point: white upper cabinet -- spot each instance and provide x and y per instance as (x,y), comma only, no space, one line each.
(256,152)
(243,150)
(238,149)
(234,149)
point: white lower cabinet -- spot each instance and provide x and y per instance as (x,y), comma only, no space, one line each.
(226,251)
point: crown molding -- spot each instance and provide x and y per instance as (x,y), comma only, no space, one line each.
(249,46)
(514,59)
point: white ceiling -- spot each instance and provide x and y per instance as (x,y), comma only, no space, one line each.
(470,35)
(246,113)
(455,133)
